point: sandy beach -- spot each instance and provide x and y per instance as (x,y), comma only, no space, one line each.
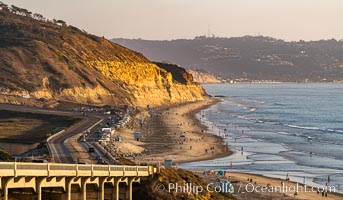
(172,132)
(289,188)
(251,187)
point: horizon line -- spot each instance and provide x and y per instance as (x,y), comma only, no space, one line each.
(228,37)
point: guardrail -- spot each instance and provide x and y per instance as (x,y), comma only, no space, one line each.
(50,148)
(15,169)
(98,122)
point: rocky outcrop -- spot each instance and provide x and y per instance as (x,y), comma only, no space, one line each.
(203,77)
(179,74)
(48,62)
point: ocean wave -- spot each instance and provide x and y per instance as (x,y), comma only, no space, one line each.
(303,127)
(284,133)
(243,117)
(259,102)
(314,128)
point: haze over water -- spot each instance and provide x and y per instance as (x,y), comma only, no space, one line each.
(285,128)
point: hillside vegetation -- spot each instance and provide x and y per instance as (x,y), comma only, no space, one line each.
(158,188)
(45,61)
(30,128)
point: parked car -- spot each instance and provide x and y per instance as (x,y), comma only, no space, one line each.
(39,161)
(83,138)
(101,161)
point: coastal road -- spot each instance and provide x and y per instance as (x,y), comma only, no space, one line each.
(60,153)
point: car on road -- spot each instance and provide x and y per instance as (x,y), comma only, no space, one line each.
(83,138)
(100,161)
(81,161)
(39,161)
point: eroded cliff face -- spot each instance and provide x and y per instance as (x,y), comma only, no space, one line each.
(43,63)
(148,83)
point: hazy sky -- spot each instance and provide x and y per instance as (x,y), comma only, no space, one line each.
(173,19)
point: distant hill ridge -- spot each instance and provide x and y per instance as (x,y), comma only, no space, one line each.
(249,58)
(50,61)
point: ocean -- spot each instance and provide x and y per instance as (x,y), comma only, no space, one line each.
(294,129)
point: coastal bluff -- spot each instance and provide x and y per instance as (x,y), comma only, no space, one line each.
(44,62)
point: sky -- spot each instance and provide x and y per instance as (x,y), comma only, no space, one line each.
(291,20)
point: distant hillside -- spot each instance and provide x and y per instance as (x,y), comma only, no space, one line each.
(50,61)
(201,76)
(249,58)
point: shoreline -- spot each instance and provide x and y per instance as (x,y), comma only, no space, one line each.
(173,132)
(239,176)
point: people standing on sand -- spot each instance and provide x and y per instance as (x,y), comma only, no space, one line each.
(287,178)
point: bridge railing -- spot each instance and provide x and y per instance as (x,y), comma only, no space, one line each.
(14,169)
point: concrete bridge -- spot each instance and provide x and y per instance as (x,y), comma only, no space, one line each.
(43,181)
